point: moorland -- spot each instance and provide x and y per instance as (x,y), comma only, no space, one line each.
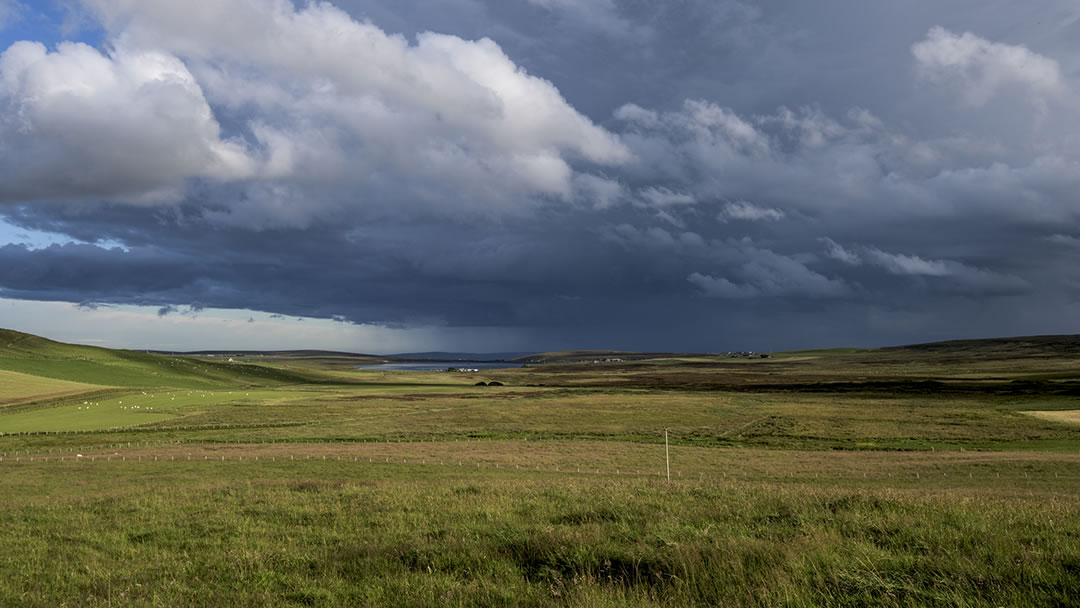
(943,474)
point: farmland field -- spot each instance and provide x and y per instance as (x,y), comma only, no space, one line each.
(17,388)
(932,475)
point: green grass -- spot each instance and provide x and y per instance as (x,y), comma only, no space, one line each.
(40,357)
(17,388)
(319,533)
(774,420)
(893,477)
(142,409)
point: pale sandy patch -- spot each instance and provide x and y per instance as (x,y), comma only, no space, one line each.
(1067,416)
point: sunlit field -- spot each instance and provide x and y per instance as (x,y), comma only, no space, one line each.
(806,479)
(18,388)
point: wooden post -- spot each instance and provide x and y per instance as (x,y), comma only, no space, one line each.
(667,455)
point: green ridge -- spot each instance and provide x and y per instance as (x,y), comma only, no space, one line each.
(28,354)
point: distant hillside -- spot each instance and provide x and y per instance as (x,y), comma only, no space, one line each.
(333,354)
(996,348)
(37,356)
(260,353)
(445,356)
(574,356)
(947,351)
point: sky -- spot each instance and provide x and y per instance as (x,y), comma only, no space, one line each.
(530,175)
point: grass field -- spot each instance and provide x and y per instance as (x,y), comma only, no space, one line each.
(143,409)
(1066,416)
(935,475)
(40,357)
(19,388)
(315,532)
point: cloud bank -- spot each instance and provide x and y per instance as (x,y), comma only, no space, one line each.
(713,177)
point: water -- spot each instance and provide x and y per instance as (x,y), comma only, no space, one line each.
(439,366)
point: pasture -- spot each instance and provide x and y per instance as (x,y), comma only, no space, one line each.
(344,533)
(928,476)
(128,409)
(1066,416)
(18,388)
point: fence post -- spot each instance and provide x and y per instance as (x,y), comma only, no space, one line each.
(667,455)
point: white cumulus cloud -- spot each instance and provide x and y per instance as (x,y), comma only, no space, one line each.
(314,97)
(983,68)
(125,123)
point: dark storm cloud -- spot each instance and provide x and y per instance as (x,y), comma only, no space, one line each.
(690,174)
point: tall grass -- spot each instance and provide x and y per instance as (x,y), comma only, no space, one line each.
(318,533)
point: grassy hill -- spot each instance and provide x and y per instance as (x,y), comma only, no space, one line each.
(37,356)
(997,348)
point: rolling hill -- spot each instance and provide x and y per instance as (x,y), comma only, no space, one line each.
(36,356)
(997,348)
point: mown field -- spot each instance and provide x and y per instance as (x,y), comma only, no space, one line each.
(934,475)
(19,388)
